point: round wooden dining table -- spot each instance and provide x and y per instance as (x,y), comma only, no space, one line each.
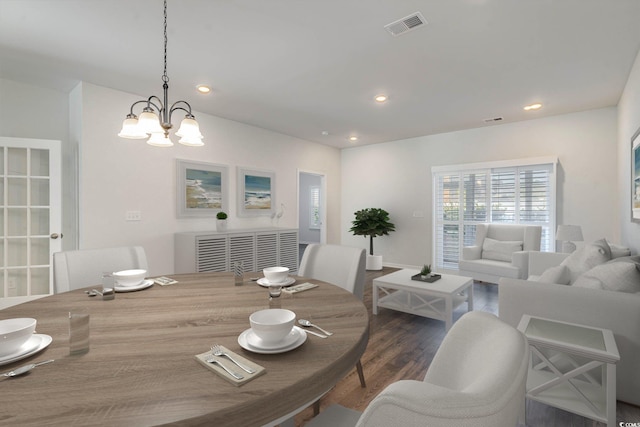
(141,368)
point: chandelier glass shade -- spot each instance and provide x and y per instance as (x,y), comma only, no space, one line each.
(154,121)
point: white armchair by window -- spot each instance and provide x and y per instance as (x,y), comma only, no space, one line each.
(500,250)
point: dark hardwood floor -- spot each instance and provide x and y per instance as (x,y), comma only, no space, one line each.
(401,346)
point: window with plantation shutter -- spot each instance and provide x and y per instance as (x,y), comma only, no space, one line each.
(314,207)
(514,192)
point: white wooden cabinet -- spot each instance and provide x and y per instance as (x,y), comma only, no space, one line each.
(217,251)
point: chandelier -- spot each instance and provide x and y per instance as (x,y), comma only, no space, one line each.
(155,120)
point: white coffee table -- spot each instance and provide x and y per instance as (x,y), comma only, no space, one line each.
(435,300)
(564,357)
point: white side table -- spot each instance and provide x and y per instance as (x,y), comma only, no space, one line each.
(572,367)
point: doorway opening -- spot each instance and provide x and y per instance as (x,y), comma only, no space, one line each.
(311,209)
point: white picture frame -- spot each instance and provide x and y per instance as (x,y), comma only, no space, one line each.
(201,189)
(256,192)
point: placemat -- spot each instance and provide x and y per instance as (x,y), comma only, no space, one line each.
(202,358)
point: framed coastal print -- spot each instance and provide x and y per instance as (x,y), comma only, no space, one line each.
(635,176)
(202,189)
(256,192)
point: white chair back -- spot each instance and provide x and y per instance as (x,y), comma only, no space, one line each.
(81,268)
(477,378)
(342,266)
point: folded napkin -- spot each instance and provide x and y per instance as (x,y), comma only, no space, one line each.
(299,288)
(202,358)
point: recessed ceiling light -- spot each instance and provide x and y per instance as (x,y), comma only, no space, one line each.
(381,98)
(353,138)
(325,133)
(535,106)
(203,88)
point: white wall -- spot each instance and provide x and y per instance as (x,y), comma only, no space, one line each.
(119,175)
(28,111)
(396,176)
(628,123)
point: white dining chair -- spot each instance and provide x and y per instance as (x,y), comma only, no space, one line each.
(343,266)
(81,268)
(476,378)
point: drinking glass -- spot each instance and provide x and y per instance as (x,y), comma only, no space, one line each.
(238,272)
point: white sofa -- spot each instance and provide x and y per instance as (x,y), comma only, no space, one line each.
(617,311)
(500,250)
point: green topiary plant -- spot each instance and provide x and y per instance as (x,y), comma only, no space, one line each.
(221,215)
(372,222)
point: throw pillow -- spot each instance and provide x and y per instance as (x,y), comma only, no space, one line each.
(612,276)
(499,250)
(587,257)
(559,274)
(618,251)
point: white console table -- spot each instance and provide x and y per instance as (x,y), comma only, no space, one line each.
(211,251)
(564,357)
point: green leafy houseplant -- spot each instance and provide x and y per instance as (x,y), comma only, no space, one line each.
(221,215)
(372,222)
(426,270)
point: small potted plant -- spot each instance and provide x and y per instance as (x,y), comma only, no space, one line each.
(372,222)
(425,273)
(221,221)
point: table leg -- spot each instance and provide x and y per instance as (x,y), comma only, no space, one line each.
(375,299)
(470,297)
(611,394)
(448,312)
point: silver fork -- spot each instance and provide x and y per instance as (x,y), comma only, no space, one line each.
(216,350)
(235,375)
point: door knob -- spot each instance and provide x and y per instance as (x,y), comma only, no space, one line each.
(56,235)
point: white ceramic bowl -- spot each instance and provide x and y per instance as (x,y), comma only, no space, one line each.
(129,277)
(14,333)
(273,324)
(276,274)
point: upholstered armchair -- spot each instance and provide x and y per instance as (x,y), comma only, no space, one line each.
(477,378)
(500,250)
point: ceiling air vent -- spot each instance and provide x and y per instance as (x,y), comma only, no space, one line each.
(494,119)
(406,24)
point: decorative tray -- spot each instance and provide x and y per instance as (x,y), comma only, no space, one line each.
(429,279)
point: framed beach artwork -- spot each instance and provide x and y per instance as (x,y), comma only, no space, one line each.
(256,192)
(202,189)
(635,176)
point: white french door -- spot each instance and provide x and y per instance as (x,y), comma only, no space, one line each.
(30,217)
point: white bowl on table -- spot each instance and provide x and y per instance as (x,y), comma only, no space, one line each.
(273,324)
(14,333)
(276,274)
(126,278)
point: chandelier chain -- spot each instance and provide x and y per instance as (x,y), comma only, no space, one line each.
(165,78)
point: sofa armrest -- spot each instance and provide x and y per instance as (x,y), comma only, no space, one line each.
(541,261)
(520,259)
(471,252)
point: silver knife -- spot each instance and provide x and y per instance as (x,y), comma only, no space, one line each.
(314,333)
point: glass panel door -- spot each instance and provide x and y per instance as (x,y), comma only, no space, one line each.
(30,219)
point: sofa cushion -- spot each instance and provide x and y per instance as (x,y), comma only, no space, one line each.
(611,276)
(500,250)
(587,257)
(559,274)
(489,267)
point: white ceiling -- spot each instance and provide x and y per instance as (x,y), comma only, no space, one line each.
(301,67)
